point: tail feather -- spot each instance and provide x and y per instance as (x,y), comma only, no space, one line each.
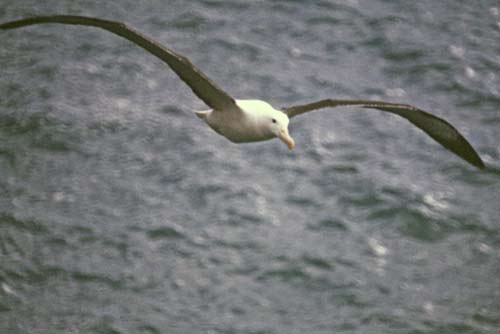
(202,114)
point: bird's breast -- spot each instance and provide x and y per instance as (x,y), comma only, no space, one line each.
(236,127)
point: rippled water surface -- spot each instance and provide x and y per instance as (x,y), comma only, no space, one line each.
(121,212)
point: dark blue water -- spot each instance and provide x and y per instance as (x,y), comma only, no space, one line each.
(121,212)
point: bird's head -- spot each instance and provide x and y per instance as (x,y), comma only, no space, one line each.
(266,121)
(278,125)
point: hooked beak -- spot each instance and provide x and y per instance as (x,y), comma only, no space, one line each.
(285,137)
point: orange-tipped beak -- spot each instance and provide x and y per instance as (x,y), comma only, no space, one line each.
(285,137)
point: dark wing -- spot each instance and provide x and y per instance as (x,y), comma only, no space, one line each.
(439,129)
(201,85)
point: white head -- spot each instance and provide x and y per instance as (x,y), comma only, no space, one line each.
(271,122)
(279,127)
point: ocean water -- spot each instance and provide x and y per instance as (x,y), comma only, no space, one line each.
(121,212)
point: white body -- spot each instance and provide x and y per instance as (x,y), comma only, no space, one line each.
(254,121)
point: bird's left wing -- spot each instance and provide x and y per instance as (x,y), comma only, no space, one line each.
(439,129)
(199,83)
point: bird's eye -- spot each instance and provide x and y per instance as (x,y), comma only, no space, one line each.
(274,120)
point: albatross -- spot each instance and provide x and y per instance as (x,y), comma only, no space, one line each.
(253,120)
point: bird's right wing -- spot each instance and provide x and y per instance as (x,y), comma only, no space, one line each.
(439,129)
(199,83)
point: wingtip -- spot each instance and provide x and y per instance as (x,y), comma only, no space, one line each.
(470,155)
(12,24)
(480,164)
(476,162)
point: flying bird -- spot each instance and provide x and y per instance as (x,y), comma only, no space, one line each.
(255,120)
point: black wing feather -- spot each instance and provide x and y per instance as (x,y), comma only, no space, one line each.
(439,129)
